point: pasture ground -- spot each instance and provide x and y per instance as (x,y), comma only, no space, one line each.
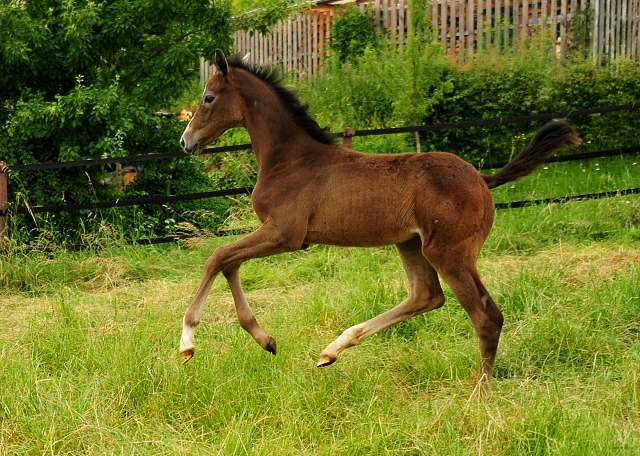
(89,358)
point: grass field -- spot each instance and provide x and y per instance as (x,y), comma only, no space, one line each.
(89,358)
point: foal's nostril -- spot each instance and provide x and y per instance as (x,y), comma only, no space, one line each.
(182,142)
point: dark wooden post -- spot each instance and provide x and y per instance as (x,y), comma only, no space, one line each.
(119,185)
(4,206)
(347,133)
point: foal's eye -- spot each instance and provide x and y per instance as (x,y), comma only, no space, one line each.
(209,99)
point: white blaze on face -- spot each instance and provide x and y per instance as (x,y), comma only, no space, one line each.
(189,140)
(188,125)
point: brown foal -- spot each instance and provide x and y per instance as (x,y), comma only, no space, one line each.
(435,207)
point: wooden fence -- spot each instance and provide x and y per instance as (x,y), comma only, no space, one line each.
(463,27)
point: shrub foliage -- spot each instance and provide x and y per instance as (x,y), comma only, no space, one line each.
(83,79)
(386,88)
(352,32)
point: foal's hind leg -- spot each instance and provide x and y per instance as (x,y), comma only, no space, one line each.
(267,240)
(458,269)
(425,294)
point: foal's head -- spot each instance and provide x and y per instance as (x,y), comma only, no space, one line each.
(219,110)
(221,106)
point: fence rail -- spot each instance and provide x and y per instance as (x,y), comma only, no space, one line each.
(463,27)
(4,208)
(382,131)
(248,190)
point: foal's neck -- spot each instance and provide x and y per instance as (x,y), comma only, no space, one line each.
(274,132)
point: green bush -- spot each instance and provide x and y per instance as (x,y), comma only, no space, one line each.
(377,91)
(233,169)
(83,79)
(352,32)
(95,122)
(177,177)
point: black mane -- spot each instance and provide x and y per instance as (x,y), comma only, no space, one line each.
(274,77)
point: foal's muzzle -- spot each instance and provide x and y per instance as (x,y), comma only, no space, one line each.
(191,142)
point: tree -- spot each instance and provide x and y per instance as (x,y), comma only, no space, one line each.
(252,5)
(139,54)
(351,32)
(83,78)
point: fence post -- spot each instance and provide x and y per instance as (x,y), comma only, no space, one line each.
(119,184)
(347,133)
(4,206)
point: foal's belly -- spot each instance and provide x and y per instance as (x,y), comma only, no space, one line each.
(361,219)
(364,238)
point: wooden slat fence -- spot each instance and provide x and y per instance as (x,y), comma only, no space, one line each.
(300,43)
(608,28)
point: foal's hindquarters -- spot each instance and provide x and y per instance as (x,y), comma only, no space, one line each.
(452,214)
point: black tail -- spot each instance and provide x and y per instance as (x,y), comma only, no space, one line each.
(549,139)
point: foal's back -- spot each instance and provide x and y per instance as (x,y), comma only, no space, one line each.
(371,200)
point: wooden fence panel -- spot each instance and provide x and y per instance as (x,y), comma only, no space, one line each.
(488,24)
(470,27)
(463,28)
(452,27)
(515,20)
(625,27)
(563,29)
(402,25)
(461,31)
(525,32)
(479,25)
(634,29)
(393,21)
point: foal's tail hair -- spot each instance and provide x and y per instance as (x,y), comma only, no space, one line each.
(552,137)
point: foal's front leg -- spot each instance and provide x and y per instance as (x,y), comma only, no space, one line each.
(245,315)
(267,240)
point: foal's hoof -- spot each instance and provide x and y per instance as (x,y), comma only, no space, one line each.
(271,346)
(187,354)
(326,360)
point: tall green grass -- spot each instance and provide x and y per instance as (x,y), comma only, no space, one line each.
(89,362)
(98,373)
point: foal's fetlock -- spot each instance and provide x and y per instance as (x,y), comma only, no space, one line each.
(349,338)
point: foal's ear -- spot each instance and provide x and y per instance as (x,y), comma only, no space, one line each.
(221,62)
